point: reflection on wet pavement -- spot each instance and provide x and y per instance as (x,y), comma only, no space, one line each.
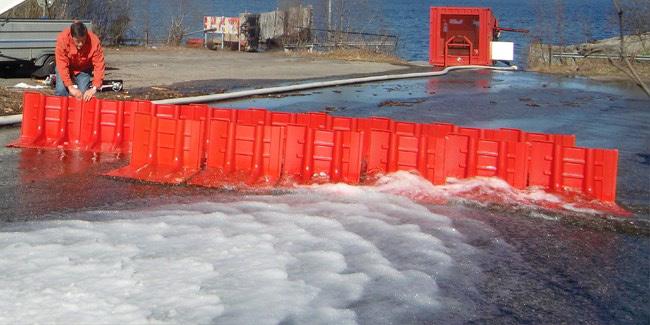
(510,265)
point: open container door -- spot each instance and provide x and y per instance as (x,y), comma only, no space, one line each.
(461,36)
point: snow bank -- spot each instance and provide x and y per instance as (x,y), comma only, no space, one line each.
(334,254)
(23,85)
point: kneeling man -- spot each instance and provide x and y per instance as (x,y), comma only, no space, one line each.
(79,60)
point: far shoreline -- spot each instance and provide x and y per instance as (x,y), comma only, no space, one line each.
(590,59)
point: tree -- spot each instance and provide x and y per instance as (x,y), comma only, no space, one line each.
(624,63)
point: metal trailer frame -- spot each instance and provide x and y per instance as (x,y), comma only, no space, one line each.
(30,40)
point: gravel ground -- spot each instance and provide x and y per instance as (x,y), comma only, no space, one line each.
(156,73)
(10,102)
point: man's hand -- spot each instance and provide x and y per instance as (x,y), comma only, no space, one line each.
(90,93)
(75,92)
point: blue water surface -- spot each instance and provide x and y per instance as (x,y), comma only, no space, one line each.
(556,21)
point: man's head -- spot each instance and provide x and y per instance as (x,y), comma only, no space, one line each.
(79,33)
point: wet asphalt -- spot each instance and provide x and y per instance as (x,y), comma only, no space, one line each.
(37,182)
(536,267)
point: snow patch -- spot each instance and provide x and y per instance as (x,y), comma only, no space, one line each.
(22,85)
(337,254)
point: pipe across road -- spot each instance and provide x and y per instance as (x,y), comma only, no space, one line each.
(14,119)
(322,84)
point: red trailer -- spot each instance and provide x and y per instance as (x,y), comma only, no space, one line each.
(461,36)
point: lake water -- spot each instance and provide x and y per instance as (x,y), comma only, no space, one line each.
(556,21)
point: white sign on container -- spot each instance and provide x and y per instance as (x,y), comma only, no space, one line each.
(503,51)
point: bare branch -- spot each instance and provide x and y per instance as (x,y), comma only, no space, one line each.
(640,82)
(628,69)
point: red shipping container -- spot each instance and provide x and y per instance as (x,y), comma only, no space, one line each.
(461,36)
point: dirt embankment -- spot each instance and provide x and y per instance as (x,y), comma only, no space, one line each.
(159,73)
(591,60)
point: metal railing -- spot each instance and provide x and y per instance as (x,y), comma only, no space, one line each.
(327,39)
(598,56)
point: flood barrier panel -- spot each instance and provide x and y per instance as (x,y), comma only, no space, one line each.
(165,150)
(213,147)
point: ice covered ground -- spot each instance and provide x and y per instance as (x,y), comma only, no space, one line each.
(331,254)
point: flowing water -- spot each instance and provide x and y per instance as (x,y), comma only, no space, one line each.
(76,247)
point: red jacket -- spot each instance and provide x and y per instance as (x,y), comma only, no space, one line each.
(69,60)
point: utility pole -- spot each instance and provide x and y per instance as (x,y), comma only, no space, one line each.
(329,20)
(340,21)
(329,14)
(341,14)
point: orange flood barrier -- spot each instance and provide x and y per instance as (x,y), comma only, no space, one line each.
(214,147)
(71,124)
(165,149)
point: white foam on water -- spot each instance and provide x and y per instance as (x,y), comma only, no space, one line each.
(486,190)
(416,187)
(333,254)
